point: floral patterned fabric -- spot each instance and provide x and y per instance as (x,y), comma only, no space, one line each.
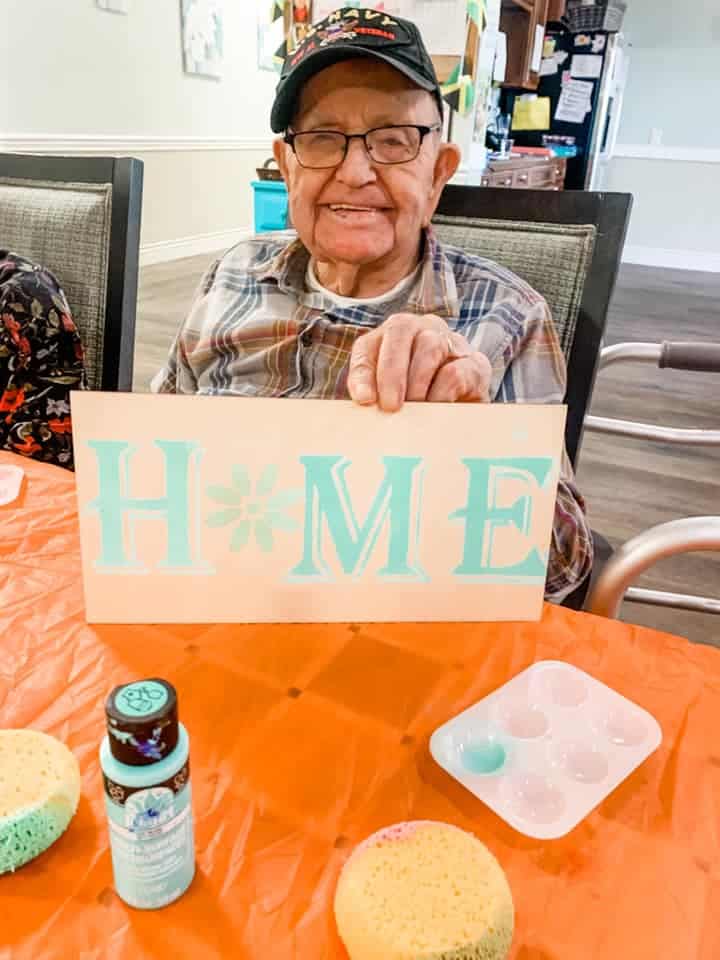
(41,361)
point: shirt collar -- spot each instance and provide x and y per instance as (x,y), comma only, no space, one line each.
(434,291)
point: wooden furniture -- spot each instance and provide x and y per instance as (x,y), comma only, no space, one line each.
(578,286)
(527,173)
(305,741)
(556,10)
(523,22)
(80,218)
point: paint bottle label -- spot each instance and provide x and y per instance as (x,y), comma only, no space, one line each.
(151,839)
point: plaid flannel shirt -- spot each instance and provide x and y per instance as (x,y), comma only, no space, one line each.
(256,331)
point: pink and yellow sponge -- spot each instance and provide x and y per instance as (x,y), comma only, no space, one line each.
(424,891)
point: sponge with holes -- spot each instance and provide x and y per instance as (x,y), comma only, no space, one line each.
(424,891)
(39,794)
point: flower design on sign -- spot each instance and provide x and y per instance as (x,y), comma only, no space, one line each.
(253,511)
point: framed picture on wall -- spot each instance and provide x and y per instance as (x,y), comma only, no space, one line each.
(202,37)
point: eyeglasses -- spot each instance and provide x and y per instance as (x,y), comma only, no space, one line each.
(322,149)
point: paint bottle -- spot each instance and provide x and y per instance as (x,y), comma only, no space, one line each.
(146,772)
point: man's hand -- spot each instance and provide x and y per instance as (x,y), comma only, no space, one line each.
(415,358)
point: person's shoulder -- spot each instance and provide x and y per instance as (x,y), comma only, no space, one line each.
(475,274)
(17,270)
(250,258)
(32,293)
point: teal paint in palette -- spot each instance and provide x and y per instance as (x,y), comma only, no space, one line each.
(146,772)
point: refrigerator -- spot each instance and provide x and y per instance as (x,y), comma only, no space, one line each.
(584,76)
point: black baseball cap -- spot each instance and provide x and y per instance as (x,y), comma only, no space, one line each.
(347,33)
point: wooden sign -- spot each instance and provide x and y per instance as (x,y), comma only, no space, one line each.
(227,509)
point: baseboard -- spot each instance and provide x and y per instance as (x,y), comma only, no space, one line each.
(163,251)
(672,259)
(67,144)
(647,151)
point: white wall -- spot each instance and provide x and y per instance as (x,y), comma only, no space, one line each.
(79,69)
(673,88)
(675,67)
(83,80)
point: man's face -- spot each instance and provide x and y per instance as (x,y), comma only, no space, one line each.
(361,212)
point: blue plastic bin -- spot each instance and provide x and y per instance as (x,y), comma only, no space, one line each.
(271,205)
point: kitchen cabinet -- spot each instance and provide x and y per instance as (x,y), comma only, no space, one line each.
(556,10)
(523,23)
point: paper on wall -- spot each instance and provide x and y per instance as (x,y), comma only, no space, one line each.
(442,23)
(500,58)
(538,48)
(551,65)
(575,101)
(531,113)
(586,65)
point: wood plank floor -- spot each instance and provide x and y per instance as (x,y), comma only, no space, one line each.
(629,484)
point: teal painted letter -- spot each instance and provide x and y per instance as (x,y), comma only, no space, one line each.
(483,516)
(115,507)
(397,501)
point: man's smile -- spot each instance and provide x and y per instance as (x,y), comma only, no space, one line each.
(355,213)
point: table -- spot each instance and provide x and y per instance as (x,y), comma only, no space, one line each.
(306,739)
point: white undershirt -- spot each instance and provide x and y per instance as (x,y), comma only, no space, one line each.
(314,285)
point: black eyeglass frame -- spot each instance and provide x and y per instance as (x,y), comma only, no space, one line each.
(290,136)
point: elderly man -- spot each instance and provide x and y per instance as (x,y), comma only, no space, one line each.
(366,303)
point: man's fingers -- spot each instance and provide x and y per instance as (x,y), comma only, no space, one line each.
(431,350)
(362,382)
(464,380)
(415,358)
(393,363)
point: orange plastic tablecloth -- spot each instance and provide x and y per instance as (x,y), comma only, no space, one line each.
(306,739)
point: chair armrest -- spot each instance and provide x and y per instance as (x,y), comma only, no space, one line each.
(635,556)
(698,357)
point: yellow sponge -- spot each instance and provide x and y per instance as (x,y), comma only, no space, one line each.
(39,794)
(424,891)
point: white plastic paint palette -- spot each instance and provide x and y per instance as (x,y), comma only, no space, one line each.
(10,482)
(546,748)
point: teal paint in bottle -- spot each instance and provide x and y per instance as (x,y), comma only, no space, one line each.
(146,772)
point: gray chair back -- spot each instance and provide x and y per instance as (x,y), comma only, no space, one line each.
(80,218)
(553,259)
(567,245)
